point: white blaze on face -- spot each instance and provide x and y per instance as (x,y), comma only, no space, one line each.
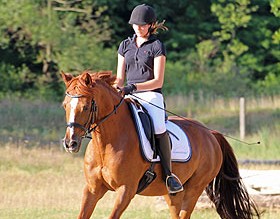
(73,104)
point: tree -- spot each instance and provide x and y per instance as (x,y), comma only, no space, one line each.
(51,35)
(208,43)
(232,15)
(275,9)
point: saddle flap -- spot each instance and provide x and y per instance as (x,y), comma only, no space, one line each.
(147,124)
(139,112)
(181,149)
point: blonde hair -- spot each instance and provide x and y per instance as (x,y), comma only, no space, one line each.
(156,25)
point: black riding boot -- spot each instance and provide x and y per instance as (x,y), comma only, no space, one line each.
(173,184)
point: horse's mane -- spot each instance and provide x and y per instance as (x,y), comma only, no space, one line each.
(85,87)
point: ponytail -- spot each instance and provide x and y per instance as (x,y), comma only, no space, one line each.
(156,25)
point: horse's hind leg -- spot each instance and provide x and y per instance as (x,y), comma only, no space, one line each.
(193,189)
(174,203)
(182,204)
(188,204)
(89,201)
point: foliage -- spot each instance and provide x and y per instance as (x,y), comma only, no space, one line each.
(209,43)
(275,9)
(42,38)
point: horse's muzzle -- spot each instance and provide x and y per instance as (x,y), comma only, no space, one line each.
(72,146)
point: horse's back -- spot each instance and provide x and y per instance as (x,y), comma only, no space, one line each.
(187,123)
(193,128)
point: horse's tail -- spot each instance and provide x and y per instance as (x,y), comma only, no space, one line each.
(227,190)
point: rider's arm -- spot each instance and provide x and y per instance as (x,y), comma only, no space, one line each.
(120,72)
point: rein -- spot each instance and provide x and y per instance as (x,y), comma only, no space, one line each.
(92,117)
(174,114)
(114,111)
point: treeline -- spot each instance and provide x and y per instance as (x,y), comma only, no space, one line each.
(215,47)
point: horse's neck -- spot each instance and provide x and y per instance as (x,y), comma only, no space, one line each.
(106,100)
(116,130)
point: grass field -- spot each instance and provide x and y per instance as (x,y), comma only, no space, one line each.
(37,123)
(39,180)
(262,122)
(47,184)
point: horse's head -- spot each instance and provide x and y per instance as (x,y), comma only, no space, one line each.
(80,106)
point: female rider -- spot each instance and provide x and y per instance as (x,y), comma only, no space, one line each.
(141,62)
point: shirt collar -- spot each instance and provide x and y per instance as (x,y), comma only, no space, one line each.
(152,37)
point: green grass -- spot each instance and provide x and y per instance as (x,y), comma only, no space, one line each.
(28,124)
(31,122)
(38,123)
(262,122)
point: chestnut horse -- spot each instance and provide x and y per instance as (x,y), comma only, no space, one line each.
(113,160)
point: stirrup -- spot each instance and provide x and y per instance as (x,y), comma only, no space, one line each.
(173,192)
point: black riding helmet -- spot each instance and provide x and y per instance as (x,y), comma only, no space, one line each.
(142,14)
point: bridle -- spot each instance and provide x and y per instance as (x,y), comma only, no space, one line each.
(92,116)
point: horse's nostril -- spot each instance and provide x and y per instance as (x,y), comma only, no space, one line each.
(73,144)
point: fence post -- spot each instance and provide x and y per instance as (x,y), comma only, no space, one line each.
(242,122)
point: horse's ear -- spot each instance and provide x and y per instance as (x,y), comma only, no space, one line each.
(86,78)
(66,77)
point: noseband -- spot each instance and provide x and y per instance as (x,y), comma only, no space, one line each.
(92,117)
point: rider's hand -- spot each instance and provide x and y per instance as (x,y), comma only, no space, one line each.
(128,89)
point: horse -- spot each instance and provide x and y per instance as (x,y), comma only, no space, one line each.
(113,161)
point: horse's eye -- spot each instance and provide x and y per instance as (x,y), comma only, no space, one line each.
(85,108)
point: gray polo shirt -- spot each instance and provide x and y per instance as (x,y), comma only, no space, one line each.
(140,61)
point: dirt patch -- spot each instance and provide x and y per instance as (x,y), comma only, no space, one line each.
(262,201)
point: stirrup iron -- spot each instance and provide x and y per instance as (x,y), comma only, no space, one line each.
(166,184)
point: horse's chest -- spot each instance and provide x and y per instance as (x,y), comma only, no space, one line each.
(108,178)
(102,175)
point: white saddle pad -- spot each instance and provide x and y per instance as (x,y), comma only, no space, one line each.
(181,149)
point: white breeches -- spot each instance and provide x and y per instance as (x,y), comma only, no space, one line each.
(157,114)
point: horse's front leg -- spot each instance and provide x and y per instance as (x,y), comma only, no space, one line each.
(89,201)
(124,196)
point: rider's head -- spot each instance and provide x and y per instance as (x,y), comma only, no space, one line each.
(142,14)
(145,15)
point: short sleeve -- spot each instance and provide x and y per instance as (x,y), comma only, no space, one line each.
(159,49)
(121,48)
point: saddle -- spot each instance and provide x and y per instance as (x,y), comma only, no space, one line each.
(181,150)
(146,122)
